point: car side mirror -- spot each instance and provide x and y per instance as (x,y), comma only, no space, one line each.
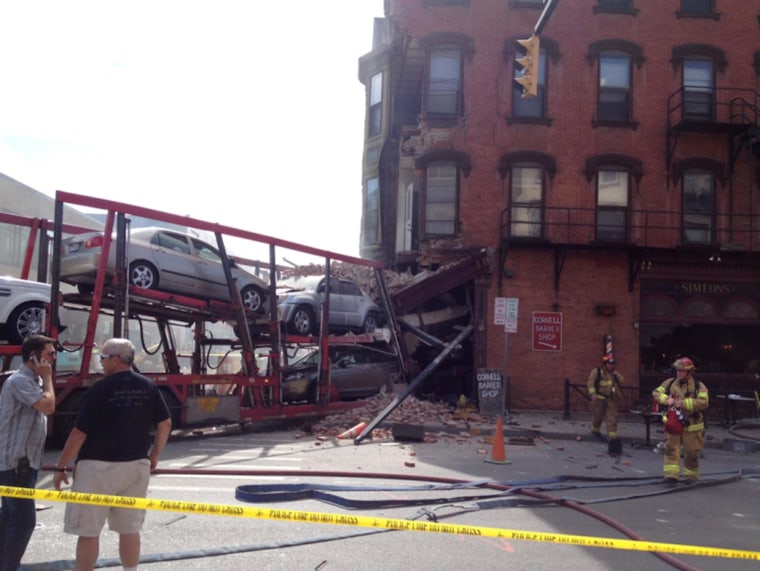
(343,362)
(232,263)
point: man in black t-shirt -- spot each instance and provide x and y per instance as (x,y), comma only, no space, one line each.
(112,446)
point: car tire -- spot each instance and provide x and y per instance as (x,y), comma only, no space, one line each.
(27,319)
(253,298)
(371,322)
(143,274)
(253,331)
(302,321)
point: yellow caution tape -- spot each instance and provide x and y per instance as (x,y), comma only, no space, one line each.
(369,521)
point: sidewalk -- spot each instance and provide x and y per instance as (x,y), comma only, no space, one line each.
(742,437)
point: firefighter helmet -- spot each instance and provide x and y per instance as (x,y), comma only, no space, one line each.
(683,364)
(608,358)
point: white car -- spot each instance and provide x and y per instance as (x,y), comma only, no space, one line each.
(23,308)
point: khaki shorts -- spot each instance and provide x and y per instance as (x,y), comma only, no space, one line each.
(113,479)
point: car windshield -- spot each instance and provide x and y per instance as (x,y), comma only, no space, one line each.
(310,357)
(308,283)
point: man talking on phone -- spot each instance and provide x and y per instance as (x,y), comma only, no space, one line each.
(26,399)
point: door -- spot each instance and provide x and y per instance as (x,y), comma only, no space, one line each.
(177,267)
(212,281)
(341,303)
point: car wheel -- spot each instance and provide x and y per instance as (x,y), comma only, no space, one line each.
(371,322)
(253,298)
(302,322)
(26,320)
(143,274)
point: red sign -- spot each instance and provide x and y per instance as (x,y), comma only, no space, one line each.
(547,331)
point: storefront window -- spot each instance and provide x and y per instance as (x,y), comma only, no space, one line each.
(715,348)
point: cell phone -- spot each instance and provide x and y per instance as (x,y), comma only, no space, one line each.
(36,359)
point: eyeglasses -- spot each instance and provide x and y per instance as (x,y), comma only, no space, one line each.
(104,356)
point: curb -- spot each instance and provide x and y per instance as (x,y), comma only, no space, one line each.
(719,442)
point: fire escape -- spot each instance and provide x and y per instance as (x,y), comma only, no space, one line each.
(735,233)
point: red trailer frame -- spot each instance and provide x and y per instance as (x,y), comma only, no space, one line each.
(199,398)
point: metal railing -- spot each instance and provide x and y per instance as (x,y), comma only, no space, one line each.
(631,396)
(724,401)
(645,228)
(721,105)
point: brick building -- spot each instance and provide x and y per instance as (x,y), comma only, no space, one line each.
(623,198)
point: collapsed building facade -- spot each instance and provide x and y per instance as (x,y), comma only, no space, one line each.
(619,206)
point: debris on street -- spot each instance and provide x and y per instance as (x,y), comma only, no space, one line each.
(412,412)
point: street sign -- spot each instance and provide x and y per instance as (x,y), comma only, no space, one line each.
(547,331)
(500,311)
(510,324)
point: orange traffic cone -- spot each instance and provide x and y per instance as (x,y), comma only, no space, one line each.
(354,431)
(498,453)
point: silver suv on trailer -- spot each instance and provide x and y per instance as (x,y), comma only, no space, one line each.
(300,307)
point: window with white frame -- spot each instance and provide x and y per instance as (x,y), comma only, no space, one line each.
(697,6)
(371,222)
(375,111)
(616,4)
(612,204)
(698,207)
(698,89)
(444,93)
(526,201)
(614,97)
(441,197)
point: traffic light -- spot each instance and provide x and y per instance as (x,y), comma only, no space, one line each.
(529,63)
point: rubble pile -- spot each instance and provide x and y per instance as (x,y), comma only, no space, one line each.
(364,277)
(410,411)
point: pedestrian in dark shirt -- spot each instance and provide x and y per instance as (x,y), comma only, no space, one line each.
(114,455)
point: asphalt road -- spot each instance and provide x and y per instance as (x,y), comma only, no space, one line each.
(617,497)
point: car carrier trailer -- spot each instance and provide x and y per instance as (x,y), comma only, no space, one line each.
(200,393)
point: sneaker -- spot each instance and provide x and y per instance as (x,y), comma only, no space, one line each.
(670,481)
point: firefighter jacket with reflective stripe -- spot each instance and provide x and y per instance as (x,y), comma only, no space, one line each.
(695,399)
(605,384)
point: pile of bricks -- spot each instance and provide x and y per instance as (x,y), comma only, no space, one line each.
(411,411)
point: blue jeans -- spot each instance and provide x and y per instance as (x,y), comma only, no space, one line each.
(17,520)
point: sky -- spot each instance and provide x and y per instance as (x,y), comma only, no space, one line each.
(247,113)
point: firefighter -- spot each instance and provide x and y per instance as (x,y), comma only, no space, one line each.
(603,385)
(685,398)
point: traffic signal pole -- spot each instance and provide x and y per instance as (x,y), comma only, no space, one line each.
(544,17)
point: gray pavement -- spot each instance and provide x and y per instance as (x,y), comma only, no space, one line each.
(540,447)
